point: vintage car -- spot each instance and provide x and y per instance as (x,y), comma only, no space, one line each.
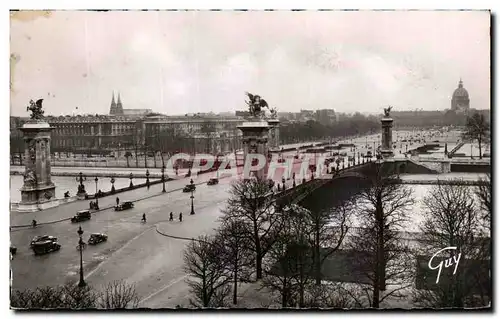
(281,160)
(81,216)
(97,238)
(43,238)
(188,188)
(124,206)
(45,247)
(213,181)
(369,154)
(296,156)
(13,250)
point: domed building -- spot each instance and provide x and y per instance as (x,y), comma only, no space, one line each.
(460,100)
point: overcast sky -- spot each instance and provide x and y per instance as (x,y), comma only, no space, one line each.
(200,61)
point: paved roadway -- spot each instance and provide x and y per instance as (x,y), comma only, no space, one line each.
(134,251)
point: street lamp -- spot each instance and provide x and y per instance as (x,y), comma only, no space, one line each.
(80,246)
(163,178)
(192,197)
(81,178)
(147,177)
(96,197)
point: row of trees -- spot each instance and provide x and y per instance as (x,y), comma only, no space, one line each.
(114,295)
(314,258)
(477,129)
(314,130)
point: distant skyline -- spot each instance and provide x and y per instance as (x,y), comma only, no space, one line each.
(202,61)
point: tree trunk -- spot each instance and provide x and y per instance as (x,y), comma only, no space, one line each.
(379,264)
(317,258)
(136,158)
(258,252)
(284,294)
(235,289)
(205,294)
(127,157)
(154,158)
(479,140)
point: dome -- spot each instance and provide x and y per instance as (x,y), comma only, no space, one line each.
(460,91)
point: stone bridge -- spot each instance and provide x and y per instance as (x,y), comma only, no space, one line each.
(295,195)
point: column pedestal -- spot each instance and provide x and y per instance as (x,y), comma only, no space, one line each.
(386,149)
(38,191)
(274,134)
(255,138)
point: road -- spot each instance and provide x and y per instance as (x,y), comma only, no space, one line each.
(135,251)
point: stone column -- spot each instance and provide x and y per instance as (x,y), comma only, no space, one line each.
(274,134)
(255,138)
(386,149)
(38,191)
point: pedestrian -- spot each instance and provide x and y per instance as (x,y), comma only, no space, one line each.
(144,217)
(33,223)
(180,217)
(171,216)
(91,205)
(117,201)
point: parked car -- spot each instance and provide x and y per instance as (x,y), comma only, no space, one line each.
(45,247)
(81,216)
(188,188)
(124,206)
(43,238)
(212,181)
(97,238)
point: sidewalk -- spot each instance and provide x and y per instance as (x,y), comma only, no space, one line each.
(66,211)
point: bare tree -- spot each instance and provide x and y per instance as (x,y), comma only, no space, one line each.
(127,156)
(477,128)
(290,258)
(251,201)
(203,261)
(383,256)
(235,242)
(279,274)
(453,220)
(118,295)
(483,192)
(329,228)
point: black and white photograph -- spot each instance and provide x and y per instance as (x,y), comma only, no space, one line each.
(250,160)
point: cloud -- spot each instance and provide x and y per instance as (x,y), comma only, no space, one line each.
(179,62)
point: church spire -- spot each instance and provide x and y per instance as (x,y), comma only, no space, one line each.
(112,109)
(119,107)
